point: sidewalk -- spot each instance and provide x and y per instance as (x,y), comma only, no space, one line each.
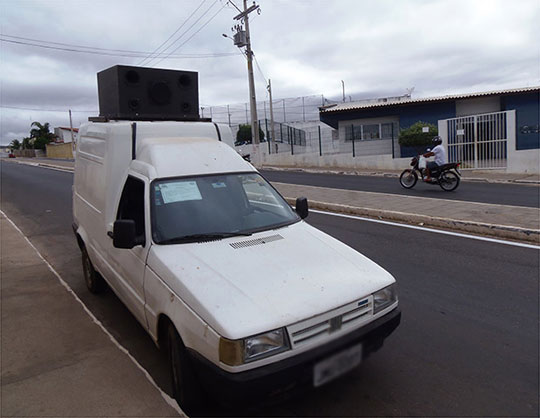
(499,221)
(56,361)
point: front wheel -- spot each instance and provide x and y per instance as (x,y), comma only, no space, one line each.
(94,282)
(449,181)
(408,178)
(186,389)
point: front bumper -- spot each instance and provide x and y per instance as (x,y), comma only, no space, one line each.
(291,374)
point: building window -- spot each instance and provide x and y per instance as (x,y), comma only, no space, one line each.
(389,130)
(372,131)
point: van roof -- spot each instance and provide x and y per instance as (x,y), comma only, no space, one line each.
(187,156)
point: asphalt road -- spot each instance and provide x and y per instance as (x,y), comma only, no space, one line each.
(468,344)
(501,194)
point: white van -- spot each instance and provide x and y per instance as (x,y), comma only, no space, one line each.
(241,292)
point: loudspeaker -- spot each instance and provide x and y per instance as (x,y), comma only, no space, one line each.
(139,93)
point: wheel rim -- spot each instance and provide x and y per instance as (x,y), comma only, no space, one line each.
(408,179)
(449,181)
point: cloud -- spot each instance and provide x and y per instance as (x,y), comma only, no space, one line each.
(379,48)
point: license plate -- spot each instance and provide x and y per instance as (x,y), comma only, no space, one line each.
(337,365)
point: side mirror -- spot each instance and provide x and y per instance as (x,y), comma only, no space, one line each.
(124,235)
(302,207)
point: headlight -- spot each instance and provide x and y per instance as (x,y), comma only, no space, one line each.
(384,298)
(236,352)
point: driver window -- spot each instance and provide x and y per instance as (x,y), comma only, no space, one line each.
(131,204)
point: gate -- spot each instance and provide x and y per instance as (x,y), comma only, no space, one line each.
(478,141)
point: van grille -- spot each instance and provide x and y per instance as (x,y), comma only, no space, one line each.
(257,241)
(347,317)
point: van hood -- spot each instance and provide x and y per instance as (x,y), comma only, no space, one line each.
(243,286)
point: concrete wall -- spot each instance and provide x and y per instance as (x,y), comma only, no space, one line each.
(333,161)
(478,105)
(60,151)
(27,153)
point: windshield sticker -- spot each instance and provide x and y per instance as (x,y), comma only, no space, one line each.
(180,191)
(218,185)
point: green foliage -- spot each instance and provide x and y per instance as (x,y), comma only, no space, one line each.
(243,135)
(414,137)
(41,142)
(27,143)
(15,144)
(40,135)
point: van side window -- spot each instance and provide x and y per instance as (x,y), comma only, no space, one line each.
(132,204)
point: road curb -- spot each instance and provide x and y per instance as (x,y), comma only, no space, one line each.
(56,167)
(46,165)
(531,236)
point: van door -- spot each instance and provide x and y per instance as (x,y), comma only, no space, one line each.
(128,265)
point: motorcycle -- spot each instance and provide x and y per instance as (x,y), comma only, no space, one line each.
(447,175)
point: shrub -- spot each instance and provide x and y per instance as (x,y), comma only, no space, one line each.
(244,134)
(414,137)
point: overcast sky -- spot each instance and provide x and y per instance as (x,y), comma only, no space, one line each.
(378,47)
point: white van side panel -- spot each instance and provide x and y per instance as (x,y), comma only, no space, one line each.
(89,190)
(195,333)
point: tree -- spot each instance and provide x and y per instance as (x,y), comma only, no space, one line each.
(41,135)
(27,143)
(15,144)
(243,136)
(413,136)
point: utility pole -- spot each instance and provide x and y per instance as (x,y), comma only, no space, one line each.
(271,111)
(244,16)
(73,145)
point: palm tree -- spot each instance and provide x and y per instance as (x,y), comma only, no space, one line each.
(41,134)
(40,130)
(27,143)
(15,144)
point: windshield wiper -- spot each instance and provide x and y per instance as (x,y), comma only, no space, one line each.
(214,236)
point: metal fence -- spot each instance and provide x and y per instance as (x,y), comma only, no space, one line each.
(478,141)
(289,139)
(305,108)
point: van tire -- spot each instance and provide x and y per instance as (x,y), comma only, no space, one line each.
(94,282)
(185,385)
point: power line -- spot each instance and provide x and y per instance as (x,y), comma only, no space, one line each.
(188,39)
(46,110)
(174,33)
(182,35)
(111,52)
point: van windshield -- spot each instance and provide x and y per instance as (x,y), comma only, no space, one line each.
(194,209)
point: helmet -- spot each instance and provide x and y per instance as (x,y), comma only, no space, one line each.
(437,140)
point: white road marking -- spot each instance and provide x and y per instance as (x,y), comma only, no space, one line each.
(421,228)
(170,401)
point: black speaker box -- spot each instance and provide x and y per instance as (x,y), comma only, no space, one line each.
(138,93)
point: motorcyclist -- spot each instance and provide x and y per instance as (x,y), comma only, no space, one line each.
(440,157)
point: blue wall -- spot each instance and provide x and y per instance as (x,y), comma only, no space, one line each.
(408,113)
(527,106)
